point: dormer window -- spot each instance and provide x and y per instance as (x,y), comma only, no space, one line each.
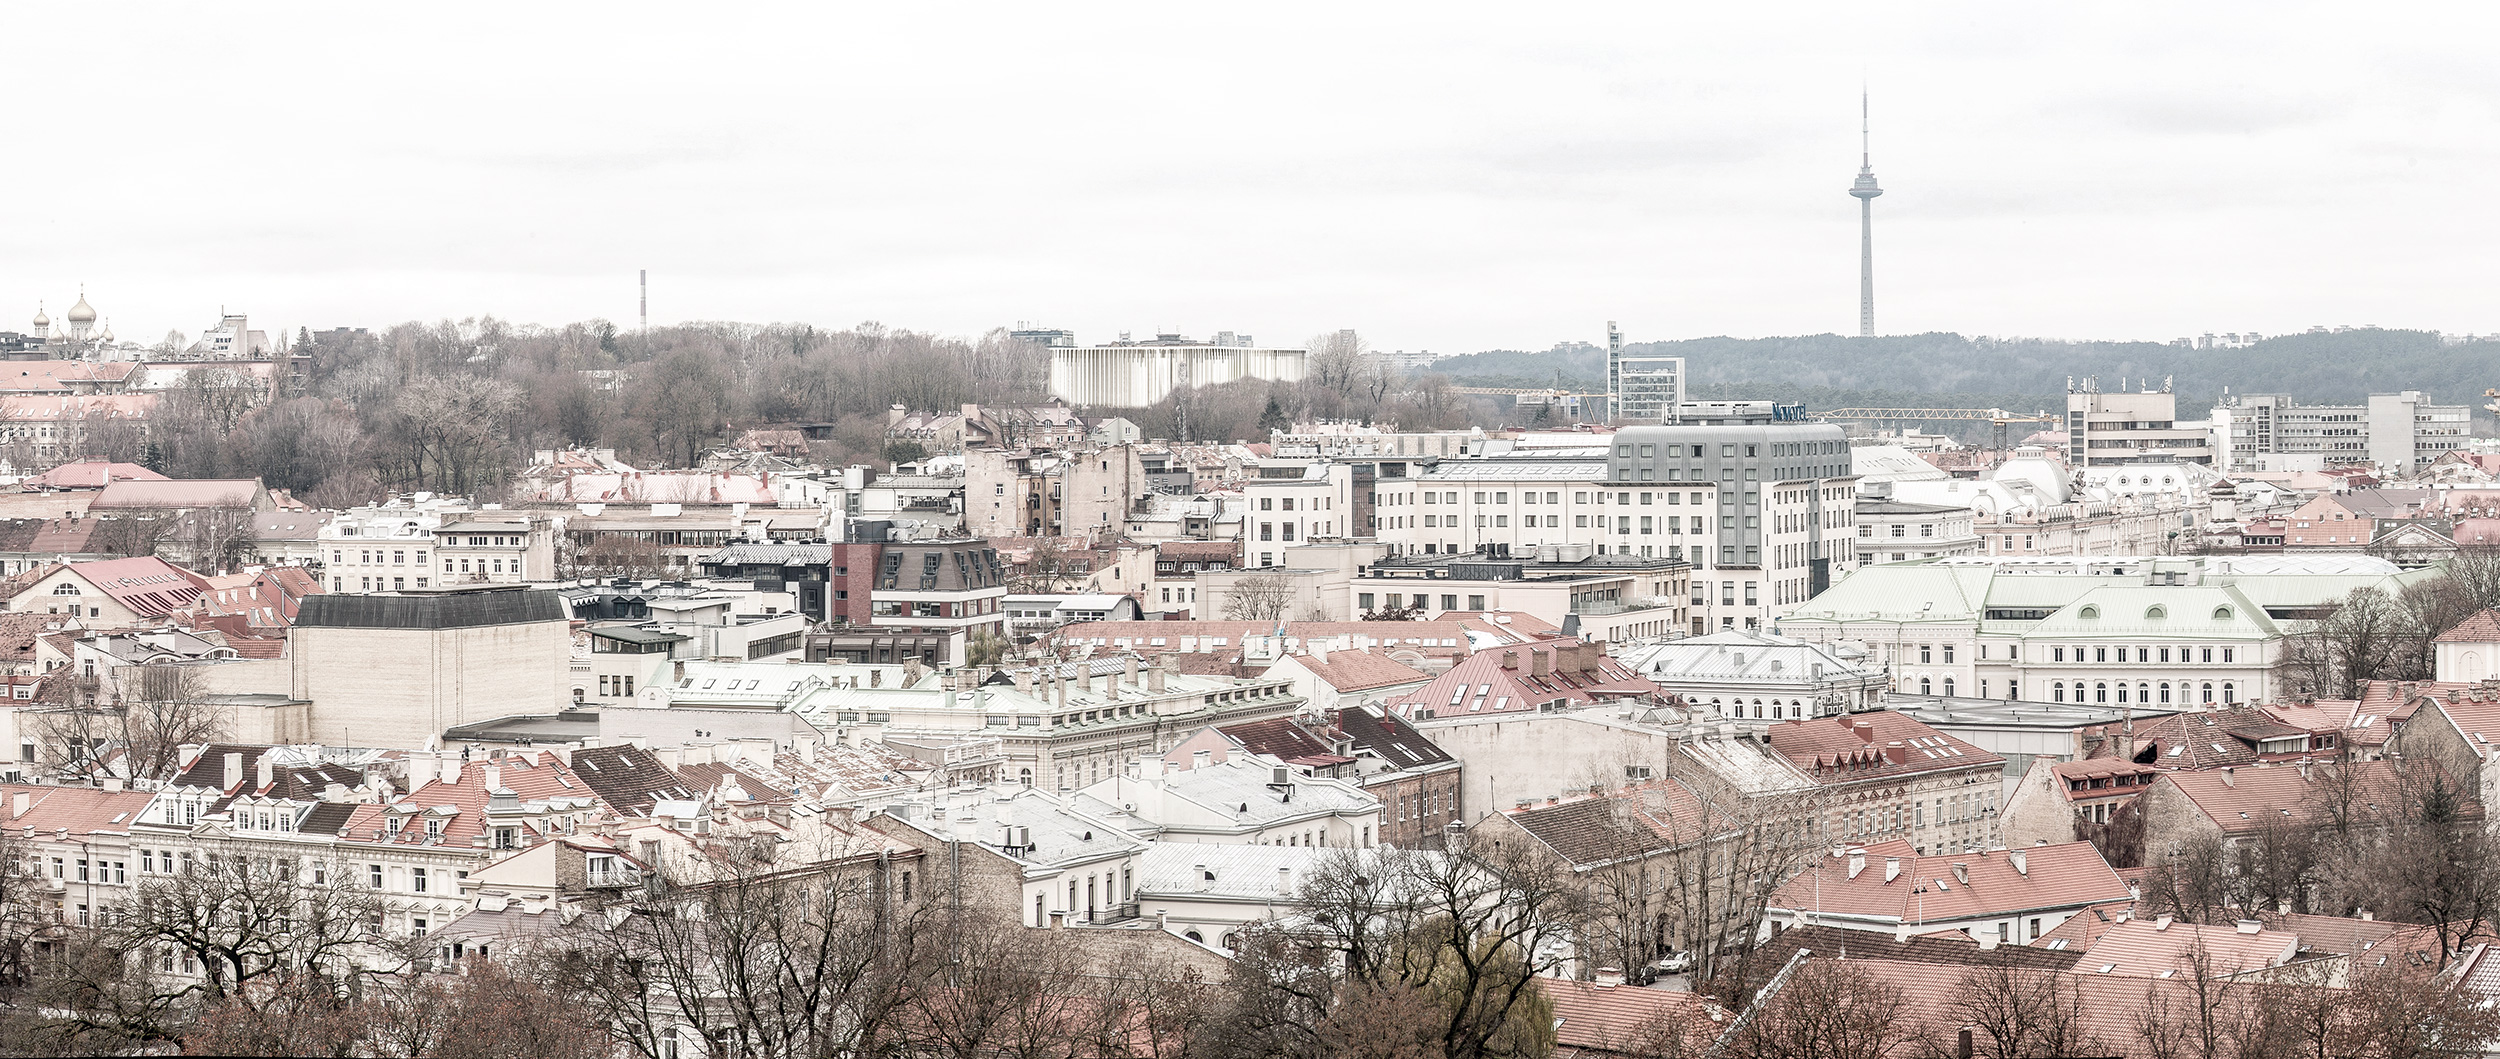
(434,826)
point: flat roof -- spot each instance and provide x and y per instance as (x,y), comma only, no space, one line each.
(1942,711)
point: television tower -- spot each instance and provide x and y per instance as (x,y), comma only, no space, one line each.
(1865,191)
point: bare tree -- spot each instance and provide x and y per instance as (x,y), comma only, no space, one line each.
(1258,597)
(1825,1009)
(1471,928)
(246,918)
(163,708)
(2356,642)
(2023,1013)
(133,533)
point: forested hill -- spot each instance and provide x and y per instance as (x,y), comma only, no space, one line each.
(2020,373)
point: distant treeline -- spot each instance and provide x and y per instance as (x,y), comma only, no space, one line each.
(2022,374)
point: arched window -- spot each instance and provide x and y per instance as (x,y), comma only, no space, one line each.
(2057,691)
(1024,776)
(2165,691)
(2122,691)
(2222,613)
(2230,694)
(2156,611)
(2090,612)
(2100,693)
(1925,688)
(2209,692)
(2143,693)
(1948,687)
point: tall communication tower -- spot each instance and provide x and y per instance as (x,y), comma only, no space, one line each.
(1865,191)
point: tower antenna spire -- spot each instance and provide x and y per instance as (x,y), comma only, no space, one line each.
(1865,191)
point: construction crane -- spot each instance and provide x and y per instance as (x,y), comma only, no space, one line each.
(1997,417)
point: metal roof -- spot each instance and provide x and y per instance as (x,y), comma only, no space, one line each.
(462,610)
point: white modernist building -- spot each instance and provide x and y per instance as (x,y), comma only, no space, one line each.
(1137,374)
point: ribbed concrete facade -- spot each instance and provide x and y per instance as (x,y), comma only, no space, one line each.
(1136,376)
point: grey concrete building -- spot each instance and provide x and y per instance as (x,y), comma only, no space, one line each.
(1781,492)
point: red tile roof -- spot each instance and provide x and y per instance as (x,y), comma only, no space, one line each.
(2483,627)
(179,493)
(1959,886)
(1593,1020)
(2147,948)
(2242,800)
(1522,679)
(1850,748)
(79,810)
(149,586)
(532,777)
(1361,670)
(90,474)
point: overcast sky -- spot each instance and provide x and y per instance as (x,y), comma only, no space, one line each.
(1441,177)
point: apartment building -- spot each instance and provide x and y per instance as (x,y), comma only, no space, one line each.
(925,599)
(1885,775)
(1611,597)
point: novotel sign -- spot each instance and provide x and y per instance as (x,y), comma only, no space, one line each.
(1788,413)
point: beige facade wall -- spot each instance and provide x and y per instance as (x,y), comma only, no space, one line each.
(1506,761)
(398,687)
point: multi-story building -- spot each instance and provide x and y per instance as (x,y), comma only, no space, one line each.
(2104,631)
(1610,597)
(2394,432)
(1891,531)
(925,599)
(1296,505)
(1771,495)
(1884,775)
(495,547)
(1757,679)
(396,670)
(1641,388)
(1058,727)
(1241,801)
(2107,429)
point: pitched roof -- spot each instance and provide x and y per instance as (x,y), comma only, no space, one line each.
(2165,948)
(2241,800)
(2483,627)
(1950,948)
(79,810)
(1286,739)
(1958,885)
(1522,679)
(179,493)
(1850,748)
(1390,739)
(461,804)
(1362,670)
(628,777)
(1593,1019)
(149,586)
(90,474)
(1626,824)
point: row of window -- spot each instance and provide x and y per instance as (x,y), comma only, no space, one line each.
(1928,654)
(2146,691)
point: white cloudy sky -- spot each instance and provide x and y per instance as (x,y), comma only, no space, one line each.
(1442,176)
